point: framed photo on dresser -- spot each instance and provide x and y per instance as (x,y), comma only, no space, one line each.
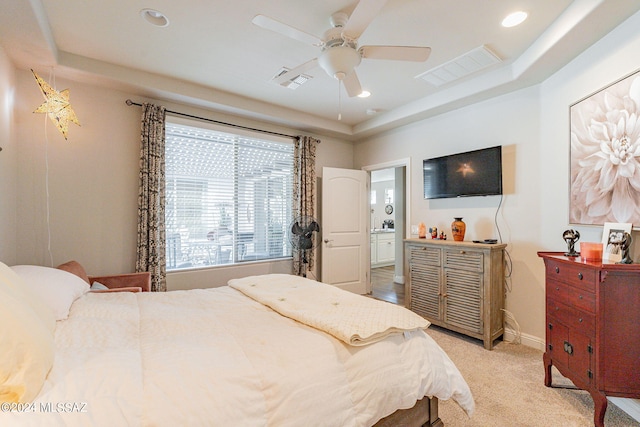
(612,239)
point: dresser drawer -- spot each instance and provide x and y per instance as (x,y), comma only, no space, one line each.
(424,255)
(574,275)
(573,297)
(578,320)
(464,260)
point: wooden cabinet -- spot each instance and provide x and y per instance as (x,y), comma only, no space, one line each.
(592,331)
(457,285)
(383,249)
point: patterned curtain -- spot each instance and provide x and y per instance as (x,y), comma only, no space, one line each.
(151,231)
(304,193)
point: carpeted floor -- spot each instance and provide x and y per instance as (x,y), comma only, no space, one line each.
(508,387)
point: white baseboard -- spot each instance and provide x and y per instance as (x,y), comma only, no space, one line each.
(525,339)
(630,406)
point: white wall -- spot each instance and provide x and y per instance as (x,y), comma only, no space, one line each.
(8,162)
(532,125)
(89,208)
(93,183)
(494,122)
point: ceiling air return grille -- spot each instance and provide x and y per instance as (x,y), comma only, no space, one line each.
(472,61)
(295,82)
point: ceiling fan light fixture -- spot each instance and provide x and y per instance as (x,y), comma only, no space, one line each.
(339,61)
(514,19)
(364,94)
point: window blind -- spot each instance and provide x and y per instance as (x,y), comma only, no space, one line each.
(228,196)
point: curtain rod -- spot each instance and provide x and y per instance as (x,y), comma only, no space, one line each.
(130,102)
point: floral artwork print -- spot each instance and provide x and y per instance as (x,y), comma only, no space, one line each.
(605,155)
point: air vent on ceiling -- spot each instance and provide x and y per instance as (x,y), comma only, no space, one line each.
(472,61)
(295,82)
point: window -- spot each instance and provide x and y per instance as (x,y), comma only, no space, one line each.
(228,195)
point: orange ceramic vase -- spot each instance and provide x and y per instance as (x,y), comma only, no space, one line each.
(458,227)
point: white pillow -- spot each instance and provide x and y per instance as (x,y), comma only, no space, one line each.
(12,284)
(58,288)
(25,339)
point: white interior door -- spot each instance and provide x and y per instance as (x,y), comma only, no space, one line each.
(345,229)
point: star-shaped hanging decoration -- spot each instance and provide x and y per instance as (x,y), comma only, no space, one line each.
(56,105)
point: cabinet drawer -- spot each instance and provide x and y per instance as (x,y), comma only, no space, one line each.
(575,275)
(578,320)
(573,297)
(424,255)
(464,260)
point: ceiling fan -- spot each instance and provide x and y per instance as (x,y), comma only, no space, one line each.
(340,54)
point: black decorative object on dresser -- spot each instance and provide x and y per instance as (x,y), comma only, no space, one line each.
(457,286)
(593,327)
(571,237)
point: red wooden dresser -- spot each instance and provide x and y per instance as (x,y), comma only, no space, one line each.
(593,327)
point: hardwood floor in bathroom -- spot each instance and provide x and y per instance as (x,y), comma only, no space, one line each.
(383,286)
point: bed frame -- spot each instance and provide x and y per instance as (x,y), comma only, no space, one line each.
(423,414)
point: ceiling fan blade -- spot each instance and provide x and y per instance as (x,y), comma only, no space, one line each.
(286,30)
(397,53)
(361,17)
(294,72)
(352,84)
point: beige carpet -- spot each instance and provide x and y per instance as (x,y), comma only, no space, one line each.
(508,387)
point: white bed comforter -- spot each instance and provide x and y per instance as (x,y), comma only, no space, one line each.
(215,357)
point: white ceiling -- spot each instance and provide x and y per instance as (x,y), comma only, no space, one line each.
(212,56)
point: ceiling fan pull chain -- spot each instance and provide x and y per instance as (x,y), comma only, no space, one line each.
(339,102)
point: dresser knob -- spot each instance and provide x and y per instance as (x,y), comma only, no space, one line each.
(580,320)
(557,269)
(557,288)
(580,276)
(580,297)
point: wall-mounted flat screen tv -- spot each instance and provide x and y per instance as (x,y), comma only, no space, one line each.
(474,173)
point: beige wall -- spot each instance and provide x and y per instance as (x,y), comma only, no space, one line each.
(532,125)
(90,206)
(8,162)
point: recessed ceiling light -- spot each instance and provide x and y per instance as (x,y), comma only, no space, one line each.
(516,18)
(154,17)
(364,94)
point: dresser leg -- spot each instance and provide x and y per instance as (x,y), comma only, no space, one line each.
(546,359)
(599,407)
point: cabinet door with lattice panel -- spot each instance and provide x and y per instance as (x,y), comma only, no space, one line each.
(426,288)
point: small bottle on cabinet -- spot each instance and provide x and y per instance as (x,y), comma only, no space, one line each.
(422,230)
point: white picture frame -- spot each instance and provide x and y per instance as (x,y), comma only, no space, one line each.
(612,234)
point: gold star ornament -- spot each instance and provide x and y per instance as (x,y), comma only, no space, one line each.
(56,105)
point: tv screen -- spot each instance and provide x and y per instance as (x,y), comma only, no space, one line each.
(474,173)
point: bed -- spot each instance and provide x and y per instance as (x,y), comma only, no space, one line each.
(215,357)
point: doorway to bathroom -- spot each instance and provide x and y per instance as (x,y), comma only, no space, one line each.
(388,206)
